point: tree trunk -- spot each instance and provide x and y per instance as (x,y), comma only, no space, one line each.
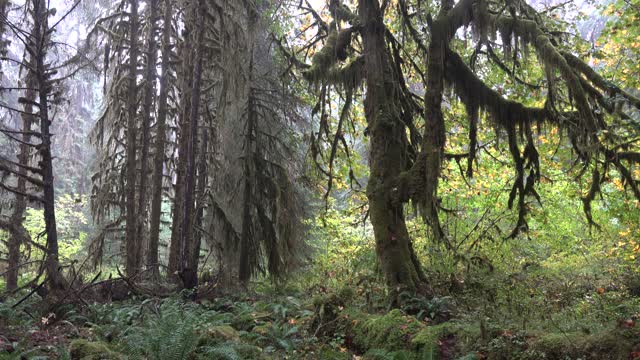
(186,74)
(55,279)
(434,136)
(189,270)
(248,251)
(158,162)
(4,4)
(19,234)
(201,186)
(147,108)
(387,156)
(133,249)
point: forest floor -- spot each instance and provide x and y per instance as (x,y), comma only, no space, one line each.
(491,316)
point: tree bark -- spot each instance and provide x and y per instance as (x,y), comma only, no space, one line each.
(387,156)
(19,234)
(185,53)
(159,157)
(434,134)
(147,108)
(133,249)
(247,242)
(189,269)
(3,12)
(56,281)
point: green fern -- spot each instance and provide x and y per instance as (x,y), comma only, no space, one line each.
(379,354)
(221,352)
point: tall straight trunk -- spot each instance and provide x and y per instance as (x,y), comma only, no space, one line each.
(247,246)
(188,269)
(434,138)
(387,156)
(4,5)
(158,161)
(133,249)
(201,186)
(147,108)
(19,234)
(184,84)
(41,42)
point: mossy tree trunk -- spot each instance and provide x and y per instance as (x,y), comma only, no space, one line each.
(188,239)
(147,109)
(388,157)
(133,253)
(185,53)
(15,225)
(42,42)
(159,156)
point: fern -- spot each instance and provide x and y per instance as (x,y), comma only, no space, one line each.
(170,335)
(221,352)
(379,354)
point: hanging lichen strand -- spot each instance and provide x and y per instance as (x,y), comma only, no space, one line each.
(580,103)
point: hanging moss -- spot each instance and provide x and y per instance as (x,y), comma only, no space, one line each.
(530,33)
(324,65)
(341,12)
(474,93)
(350,76)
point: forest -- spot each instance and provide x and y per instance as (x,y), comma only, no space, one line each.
(320,179)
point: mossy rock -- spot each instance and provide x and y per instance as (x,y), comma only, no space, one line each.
(262,329)
(86,350)
(222,333)
(392,332)
(249,351)
(613,344)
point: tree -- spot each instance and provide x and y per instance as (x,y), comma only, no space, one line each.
(120,191)
(151,55)
(41,94)
(160,140)
(19,234)
(404,164)
(133,243)
(255,208)
(232,96)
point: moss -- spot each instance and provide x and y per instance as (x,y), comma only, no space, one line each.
(249,351)
(327,309)
(467,337)
(611,344)
(245,321)
(87,350)
(392,331)
(346,294)
(429,335)
(223,333)
(378,354)
(333,354)
(262,329)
